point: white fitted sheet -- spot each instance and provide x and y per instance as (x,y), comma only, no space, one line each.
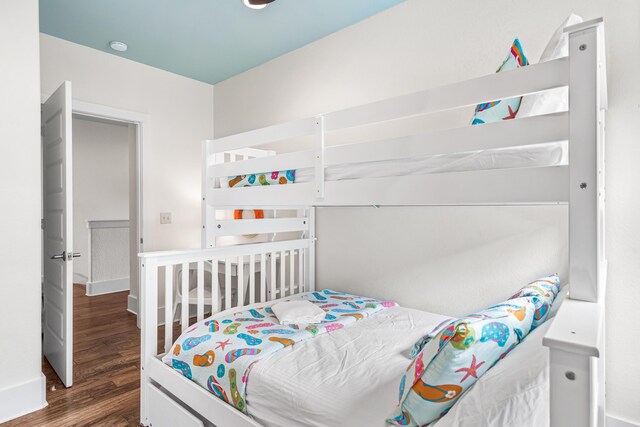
(539,155)
(349,377)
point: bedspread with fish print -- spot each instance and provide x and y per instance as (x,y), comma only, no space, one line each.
(217,353)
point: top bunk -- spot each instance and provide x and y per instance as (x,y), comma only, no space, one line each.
(511,162)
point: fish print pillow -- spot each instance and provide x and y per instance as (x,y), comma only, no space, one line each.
(505,109)
(266,178)
(542,293)
(454,358)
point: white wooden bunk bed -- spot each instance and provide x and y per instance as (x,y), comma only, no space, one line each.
(575,338)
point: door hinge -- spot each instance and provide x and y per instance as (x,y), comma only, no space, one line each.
(141,240)
(42,223)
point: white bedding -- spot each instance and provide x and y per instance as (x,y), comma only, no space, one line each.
(515,392)
(551,154)
(313,382)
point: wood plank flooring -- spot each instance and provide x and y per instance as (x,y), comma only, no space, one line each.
(106,365)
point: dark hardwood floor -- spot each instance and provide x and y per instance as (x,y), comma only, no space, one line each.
(106,364)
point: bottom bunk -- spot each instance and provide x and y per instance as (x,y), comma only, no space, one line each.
(350,375)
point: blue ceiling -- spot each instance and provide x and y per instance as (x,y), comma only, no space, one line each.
(207,40)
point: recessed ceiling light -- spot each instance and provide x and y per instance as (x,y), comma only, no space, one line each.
(255,4)
(118,46)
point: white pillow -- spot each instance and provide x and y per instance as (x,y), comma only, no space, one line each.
(515,392)
(298,312)
(554,100)
(558,301)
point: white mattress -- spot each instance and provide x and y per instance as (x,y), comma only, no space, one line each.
(313,382)
(539,155)
(552,154)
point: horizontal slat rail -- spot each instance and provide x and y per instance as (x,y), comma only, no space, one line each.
(259,226)
(286,161)
(194,255)
(546,185)
(522,81)
(512,133)
(257,137)
(246,153)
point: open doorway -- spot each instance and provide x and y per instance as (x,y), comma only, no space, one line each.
(103,184)
(101,206)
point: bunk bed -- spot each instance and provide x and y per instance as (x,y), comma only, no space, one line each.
(285,269)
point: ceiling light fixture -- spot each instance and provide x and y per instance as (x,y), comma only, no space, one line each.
(118,46)
(257,4)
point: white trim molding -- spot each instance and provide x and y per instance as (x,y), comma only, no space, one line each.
(107,286)
(132,305)
(108,223)
(22,399)
(80,279)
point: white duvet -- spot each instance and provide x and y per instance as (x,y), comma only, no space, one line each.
(350,377)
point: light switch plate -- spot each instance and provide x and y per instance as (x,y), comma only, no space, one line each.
(165,217)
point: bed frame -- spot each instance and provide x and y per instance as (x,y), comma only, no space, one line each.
(576,337)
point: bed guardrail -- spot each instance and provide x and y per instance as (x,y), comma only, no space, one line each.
(514,186)
(275,269)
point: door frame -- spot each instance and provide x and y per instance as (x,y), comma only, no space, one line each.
(141,120)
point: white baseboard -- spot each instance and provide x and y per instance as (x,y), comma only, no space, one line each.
(23,399)
(80,279)
(617,422)
(107,287)
(132,304)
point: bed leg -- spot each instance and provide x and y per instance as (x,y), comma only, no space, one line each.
(149,329)
(573,389)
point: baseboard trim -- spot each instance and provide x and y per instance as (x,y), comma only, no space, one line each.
(80,279)
(617,422)
(132,304)
(23,399)
(107,287)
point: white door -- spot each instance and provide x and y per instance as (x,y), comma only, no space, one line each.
(58,228)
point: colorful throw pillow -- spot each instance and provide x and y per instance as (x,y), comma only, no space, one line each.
(503,109)
(542,293)
(266,178)
(456,357)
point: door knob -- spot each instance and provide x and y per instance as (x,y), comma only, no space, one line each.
(66,256)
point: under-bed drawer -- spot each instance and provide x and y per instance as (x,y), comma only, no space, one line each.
(167,412)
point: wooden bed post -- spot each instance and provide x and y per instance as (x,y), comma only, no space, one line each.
(208,211)
(311,253)
(586,162)
(149,329)
(576,337)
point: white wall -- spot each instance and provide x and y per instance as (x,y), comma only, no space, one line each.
(180,116)
(100,180)
(455,260)
(20,177)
